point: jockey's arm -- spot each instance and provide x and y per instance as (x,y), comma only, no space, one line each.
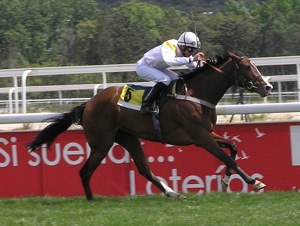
(170,57)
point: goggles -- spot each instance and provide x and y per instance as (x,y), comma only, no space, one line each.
(191,49)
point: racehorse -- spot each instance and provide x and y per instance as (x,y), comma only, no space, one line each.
(188,117)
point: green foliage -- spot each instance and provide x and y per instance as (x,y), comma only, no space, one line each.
(89,32)
(136,27)
(279,28)
(79,32)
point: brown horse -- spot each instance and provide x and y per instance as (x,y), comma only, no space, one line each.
(186,118)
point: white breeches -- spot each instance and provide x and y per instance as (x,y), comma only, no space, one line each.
(148,73)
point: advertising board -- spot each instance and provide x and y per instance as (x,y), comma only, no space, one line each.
(269,152)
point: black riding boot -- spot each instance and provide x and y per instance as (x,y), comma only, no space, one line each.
(151,97)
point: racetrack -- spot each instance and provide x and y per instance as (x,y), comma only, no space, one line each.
(269,208)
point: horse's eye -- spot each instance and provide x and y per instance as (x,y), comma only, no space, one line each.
(248,68)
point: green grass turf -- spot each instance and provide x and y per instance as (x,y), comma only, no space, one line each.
(266,209)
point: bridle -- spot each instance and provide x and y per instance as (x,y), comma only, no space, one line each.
(249,85)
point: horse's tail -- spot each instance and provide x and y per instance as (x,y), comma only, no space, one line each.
(59,124)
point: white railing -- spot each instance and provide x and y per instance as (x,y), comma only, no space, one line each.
(221,110)
(59,89)
(103,69)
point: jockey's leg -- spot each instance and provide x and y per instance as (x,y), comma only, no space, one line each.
(162,77)
(171,74)
(151,97)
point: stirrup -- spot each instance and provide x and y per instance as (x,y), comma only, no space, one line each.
(152,109)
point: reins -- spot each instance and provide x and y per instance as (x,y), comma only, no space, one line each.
(213,67)
(218,69)
(221,72)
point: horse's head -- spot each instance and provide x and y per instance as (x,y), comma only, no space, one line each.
(248,76)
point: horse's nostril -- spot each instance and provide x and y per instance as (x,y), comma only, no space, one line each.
(268,88)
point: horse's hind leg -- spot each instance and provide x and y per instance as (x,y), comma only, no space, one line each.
(133,145)
(98,153)
(233,152)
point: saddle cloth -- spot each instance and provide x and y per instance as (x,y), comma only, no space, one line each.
(132,95)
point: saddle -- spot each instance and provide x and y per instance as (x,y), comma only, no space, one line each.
(133,95)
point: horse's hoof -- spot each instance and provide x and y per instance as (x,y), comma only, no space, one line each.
(175,195)
(224,185)
(259,185)
(181,197)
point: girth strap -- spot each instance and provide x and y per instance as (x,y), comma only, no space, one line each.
(195,100)
(156,123)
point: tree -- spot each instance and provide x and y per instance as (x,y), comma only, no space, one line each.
(136,27)
(279,31)
(13,34)
(208,29)
(238,29)
(80,32)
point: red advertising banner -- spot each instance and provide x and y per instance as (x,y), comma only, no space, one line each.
(269,152)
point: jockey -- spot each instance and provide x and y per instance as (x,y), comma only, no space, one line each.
(155,63)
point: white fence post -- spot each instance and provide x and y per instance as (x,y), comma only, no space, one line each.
(96,89)
(60,96)
(104,81)
(298,75)
(16,93)
(24,77)
(10,98)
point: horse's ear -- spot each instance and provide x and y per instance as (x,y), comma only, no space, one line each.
(234,55)
(227,54)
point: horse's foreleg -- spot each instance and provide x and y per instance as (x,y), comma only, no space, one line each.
(233,152)
(213,147)
(133,145)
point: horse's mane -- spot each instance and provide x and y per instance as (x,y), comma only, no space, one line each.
(218,60)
